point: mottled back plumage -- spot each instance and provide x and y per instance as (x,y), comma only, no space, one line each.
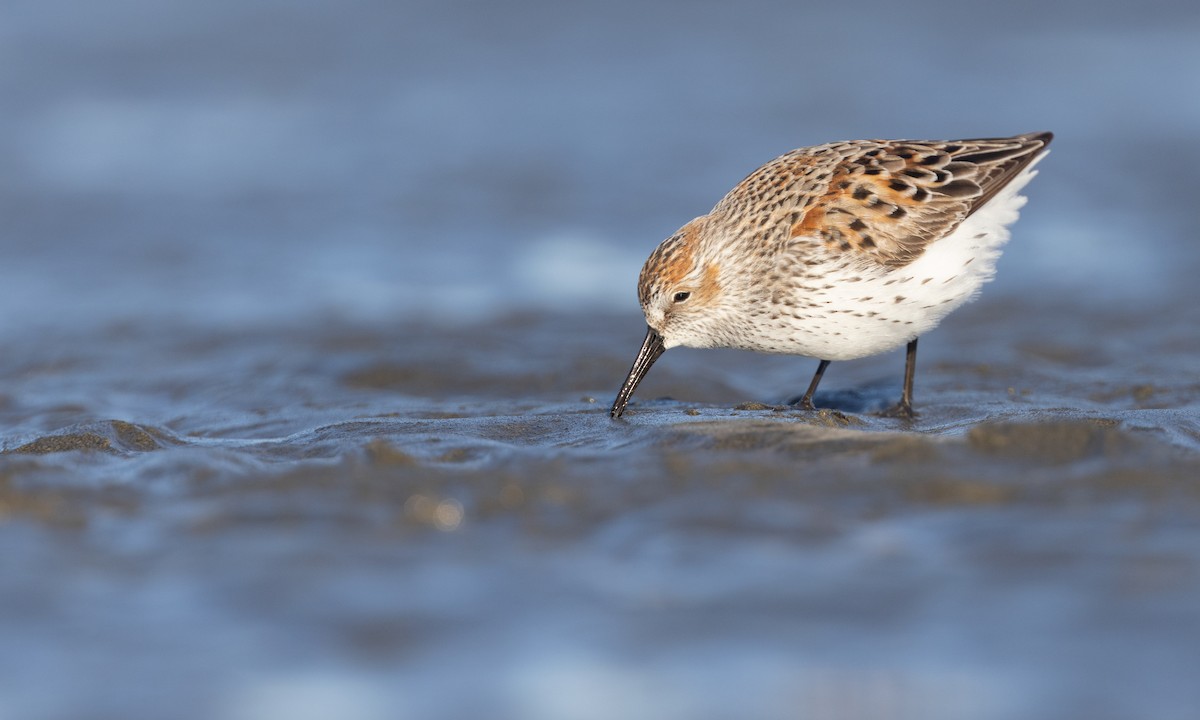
(885,199)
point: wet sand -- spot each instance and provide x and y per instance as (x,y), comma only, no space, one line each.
(245,524)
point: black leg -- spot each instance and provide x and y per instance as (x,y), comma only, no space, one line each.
(806,401)
(903,409)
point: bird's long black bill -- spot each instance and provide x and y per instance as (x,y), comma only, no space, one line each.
(652,347)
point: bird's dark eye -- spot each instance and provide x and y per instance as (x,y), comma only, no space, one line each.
(681,296)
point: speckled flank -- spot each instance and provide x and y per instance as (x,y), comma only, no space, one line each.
(840,250)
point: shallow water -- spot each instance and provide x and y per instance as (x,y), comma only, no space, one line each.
(312,314)
(260,523)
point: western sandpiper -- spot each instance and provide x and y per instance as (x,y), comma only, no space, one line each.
(837,252)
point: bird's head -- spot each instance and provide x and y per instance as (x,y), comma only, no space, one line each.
(680,293)
(680,290)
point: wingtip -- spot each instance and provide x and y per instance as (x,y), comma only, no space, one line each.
(1044,137)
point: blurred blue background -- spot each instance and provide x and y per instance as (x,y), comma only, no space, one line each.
(246,162)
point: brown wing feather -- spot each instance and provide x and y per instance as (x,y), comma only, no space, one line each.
(889,199)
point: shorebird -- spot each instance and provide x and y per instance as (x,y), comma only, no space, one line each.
(837,252)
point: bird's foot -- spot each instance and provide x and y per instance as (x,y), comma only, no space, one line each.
(805,403)
(901,411)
